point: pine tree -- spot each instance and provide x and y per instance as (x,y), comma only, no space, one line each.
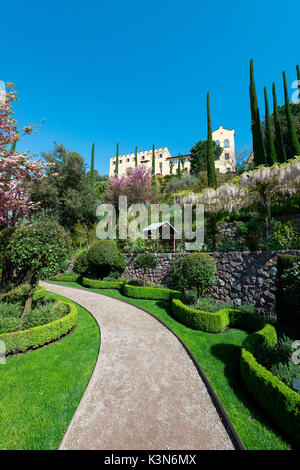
(92,171)
(135,157)
(153,163)
(179,165)
(271,155)
(211,171)
(290,122)
(117,160)
(280,150)
(258,145)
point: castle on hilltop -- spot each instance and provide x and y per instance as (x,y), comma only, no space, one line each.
(166,164)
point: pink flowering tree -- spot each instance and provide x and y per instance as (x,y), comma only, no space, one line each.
(16,170)
(137,185)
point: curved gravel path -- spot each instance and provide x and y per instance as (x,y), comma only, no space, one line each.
(145,392)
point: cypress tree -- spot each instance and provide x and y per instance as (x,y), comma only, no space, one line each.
(179,165)
(135,157)
(117,160)
(271,147)
(211,171)
(258,145)
(92,171)
(280,150)
(290,122)
(153,163)
(13,147)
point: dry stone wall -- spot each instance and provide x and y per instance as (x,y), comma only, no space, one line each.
(242,277)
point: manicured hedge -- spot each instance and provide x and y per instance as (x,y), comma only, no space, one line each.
(94,284)
(65,277)
(153,293)
(200,320)
(20,294)
(33,338)
(279,401)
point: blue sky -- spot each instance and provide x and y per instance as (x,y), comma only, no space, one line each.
(137,72)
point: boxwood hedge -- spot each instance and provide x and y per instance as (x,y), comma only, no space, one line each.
(153,293)
(20,341)
(94,284)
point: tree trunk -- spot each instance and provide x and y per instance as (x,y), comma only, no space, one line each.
(28,303)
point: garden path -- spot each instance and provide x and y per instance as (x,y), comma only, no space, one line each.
(145,391)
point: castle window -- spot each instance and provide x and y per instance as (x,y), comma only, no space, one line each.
(160,155)
(226,143)
(128,159)
(226,156)
(217,158)
(228,170)
(143,157)
(217,142)
(120,161)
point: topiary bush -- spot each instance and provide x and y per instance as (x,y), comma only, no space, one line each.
(103,258)
(194,271)
(81,264)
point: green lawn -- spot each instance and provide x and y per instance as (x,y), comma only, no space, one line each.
(218,354)
(40,390)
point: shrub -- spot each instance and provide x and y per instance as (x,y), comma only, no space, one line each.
(200,320)
(81,264)
(189,297)
(66,277)
(196,270)
(149,293)
(183,183)
(135,282)
(45,313)
(9,324)
(20,294)
(287,290)
(94,284)
(19,341)
(207,304)
(286,372)
(104,257)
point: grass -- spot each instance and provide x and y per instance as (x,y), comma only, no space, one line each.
(40,390)
(218,355)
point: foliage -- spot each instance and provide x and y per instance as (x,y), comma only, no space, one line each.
(284,233)
(209,304)
(293,139)
(200,320)
(258,145)
(280,150)
(85,233)
(211,170)
(182,183)
(196,270)
(81,264)
(198,156)
(103,257)
(137,186)
(20,341)
(150,293)
(145,261)
(270,154)
(38,249)
(65,193)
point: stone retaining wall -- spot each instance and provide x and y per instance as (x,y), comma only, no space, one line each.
(242,277)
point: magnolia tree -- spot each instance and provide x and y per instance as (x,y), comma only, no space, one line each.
(259,186)
(137,185)
(16,170)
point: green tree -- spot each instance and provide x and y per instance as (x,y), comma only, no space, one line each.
(258,145)
(92,171)
(35,248)
(198,156)
(117,160)
(278,134)
(103,258)
(290,122)
(135,157)
(65,193)
(211,170)
(271,155)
